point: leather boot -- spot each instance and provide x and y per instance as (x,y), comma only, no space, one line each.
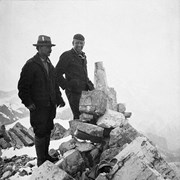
(40,144)
(48,157)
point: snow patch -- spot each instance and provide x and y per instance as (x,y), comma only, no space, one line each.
(30,151)
(24,121)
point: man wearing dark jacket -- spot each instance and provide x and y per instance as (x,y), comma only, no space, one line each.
(40,93)
(73,64)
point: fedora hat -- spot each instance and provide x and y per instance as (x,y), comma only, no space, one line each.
(44,41)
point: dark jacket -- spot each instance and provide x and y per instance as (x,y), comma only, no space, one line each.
(75,70)
(36,86)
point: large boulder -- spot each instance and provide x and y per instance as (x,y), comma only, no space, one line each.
(86,131)
(25,138)
(58,132)
(141,159)
(132,168)
(16,142)
(93,102)
(49,171)
(122,135)
(111,119)
(72,162)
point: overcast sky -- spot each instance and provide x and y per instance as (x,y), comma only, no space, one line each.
(137,40)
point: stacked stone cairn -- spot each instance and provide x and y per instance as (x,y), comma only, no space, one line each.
(104,146)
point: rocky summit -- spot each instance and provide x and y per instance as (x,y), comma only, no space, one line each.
(103,145)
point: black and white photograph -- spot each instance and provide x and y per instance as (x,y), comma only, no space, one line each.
(90,89)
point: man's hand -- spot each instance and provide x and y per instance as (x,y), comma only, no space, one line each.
(31,107)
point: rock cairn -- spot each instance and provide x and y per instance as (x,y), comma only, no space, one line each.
(104,146)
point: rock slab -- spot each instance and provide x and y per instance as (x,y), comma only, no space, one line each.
(49,171)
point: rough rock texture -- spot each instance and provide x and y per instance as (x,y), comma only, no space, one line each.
(121,107)
(84,146)
(25,131)
(132,168)
(73,125)
(72,162)
(4,144)
(100,80)
(84,117)
(13,165)
(91,129)
(49,171)
(93,102)
(19,136)
(108,154)
(17,143)
(111,119)
(127,114)
(114,150)
(122,135)
(102,176)
(58,132)
(112,99)
(146,159)
(66,146)
(22,134)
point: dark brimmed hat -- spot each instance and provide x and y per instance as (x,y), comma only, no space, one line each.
(44,41)
(79,37)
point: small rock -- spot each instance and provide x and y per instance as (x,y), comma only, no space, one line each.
(66,146)
(53,153)
(84,117)
(73,126)
(84,146)
(102,176)
(23,173)
(121,107)
(128,114)
(57,132)
(6,174)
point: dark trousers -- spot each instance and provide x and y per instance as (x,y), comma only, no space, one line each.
(41,120)
(73,99)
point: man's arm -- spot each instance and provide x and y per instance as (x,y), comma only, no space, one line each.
(24,86)
(61,68)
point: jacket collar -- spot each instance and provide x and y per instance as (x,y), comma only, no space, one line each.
(75,52)
(81,55)
(38,61)
(45,60)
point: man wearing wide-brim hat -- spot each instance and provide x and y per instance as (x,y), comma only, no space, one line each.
(40,93)
(73,64)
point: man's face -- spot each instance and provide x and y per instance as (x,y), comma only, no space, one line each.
(78,45)
(45,50)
